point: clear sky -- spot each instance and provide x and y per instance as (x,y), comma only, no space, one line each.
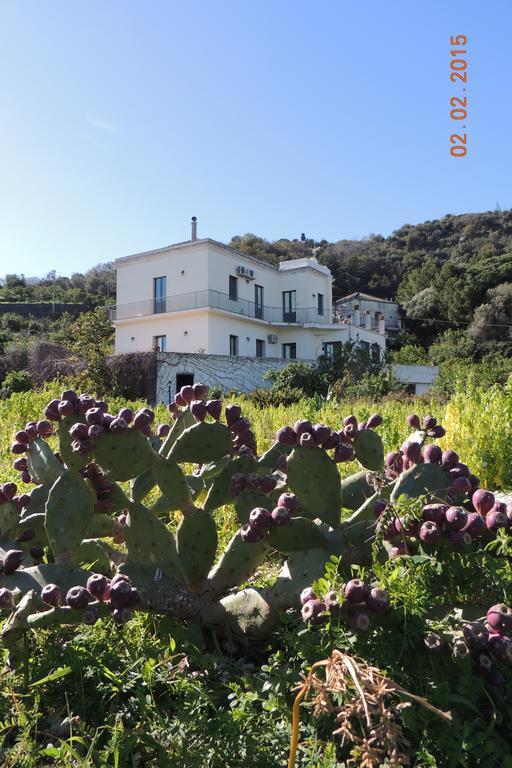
(120,119)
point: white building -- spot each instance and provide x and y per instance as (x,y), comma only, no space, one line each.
(362,307)
(203,297)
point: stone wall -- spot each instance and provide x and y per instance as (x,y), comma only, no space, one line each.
(243,374)
(43,309)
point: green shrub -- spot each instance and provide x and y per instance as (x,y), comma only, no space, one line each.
(16,381)
(270,398)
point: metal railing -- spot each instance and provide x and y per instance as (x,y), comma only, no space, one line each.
(215,300)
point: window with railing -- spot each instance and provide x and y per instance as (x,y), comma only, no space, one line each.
(233,288)
(159,294)
(289,306)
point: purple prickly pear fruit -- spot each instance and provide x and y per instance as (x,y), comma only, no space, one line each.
(78,597)
(214,408)
(126,414)
(413,421)
(94,416)
(476,635)
(432,454)
(12,561)
(497,518)
(449,459)
(121,615)
(359,621)
(252,481)
(118,426)
(237,484)
(281,516)
(460,470)
(21,437)
(455,518)
(98,586)
(51,595)
(6,599)
(23,500)
(37,553)
(187,393)
(20,464)
(199,410)
(379,506)
(31,430)
(499,619)
(374,421)
(95,431)
(344,452)
(286,436)
(332,441)
(306,440)
(434,512)
(84,403)
(460,539)
(260,517)
(120,577)
(332,602)
(356,591)
(244,450)
(44,428)
(79,432)
(434,641)
(322,433)
(394,460)
(25,476)
(233,413)
(509,512)
(281,463)
(200,391)
(91,615)
(302,427)
(350,420)
(9,490)
(362,426)
(134,598)
(163,430)
(437,432)
(178,399)
(66,408)
(314,612)
(71,395)
(306,595)
(349,432)
(483,501)
(120,594)
(461,485)
(290,501)
(429,422)
(411,529)
(173,408)
(378,600)
(240,426)
(252,533)
(19,448)
(27,535)
(397,550)
(141,421)
(412,452)
(460,649)
(475,482)
(500,646)
(52,410)
(268,483)
(475,525)
(430,532)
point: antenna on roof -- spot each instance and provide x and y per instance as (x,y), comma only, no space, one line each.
(194,228)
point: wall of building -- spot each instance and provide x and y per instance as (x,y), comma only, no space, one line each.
(185,331)
(389,310)
(420,376)
(243,374)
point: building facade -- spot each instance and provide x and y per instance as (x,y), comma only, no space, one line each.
(362,308)
(203,297)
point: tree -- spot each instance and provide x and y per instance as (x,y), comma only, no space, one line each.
(91,340)
(493,320)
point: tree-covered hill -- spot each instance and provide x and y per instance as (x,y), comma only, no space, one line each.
(97,286)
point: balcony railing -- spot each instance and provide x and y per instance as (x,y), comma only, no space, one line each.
(216,300)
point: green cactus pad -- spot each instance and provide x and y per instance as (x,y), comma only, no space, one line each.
(196,543)
(421,480)
(149,540)
(69,512)
(218,493)
(172,482)
(314,477)
(38,499)
(72,460)
(142,485)
(355,490)
(117,498)
(102,525)
(245,502)
(301,533)
(203,443)
(125,455)
(269,458)
(213,468)
(43,465)
(38,576)
(7,543)
(9,518)
(300,570)
(369,450)
(35,523)
(98,556)
(183,422)
(195,484)
(239,561)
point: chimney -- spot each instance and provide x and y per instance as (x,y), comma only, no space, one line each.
(194,228)
(368,320)
(382,324)
(357,315)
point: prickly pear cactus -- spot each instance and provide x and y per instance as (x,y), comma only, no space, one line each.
(97,536)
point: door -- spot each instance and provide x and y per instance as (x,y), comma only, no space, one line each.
(258,301)
(289,307)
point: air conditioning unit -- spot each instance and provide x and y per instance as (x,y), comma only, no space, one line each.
(245,272)
(251,274)
(240,270)
(272,338)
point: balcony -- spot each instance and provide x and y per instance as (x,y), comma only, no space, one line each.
(210,299)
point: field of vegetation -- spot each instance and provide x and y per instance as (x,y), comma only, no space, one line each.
(157,692)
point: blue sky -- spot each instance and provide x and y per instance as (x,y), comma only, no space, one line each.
(122,119)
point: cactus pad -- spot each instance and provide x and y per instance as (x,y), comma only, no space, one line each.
(314,477)
(196,543)
(124,456)
(355,490)
(301,533)
(218,493)
(172,482)
(369,450)
(149,541)
(239,561)
(69,512)
(42,463)
(419,480)
(202,443)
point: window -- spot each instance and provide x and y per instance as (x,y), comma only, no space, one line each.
(332,348)
(260,348)
(160,343)
(159,294)
(258,301)
(289,301)
(375,353)
(233,288)
(320,298)
(233,345)
(290,350)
